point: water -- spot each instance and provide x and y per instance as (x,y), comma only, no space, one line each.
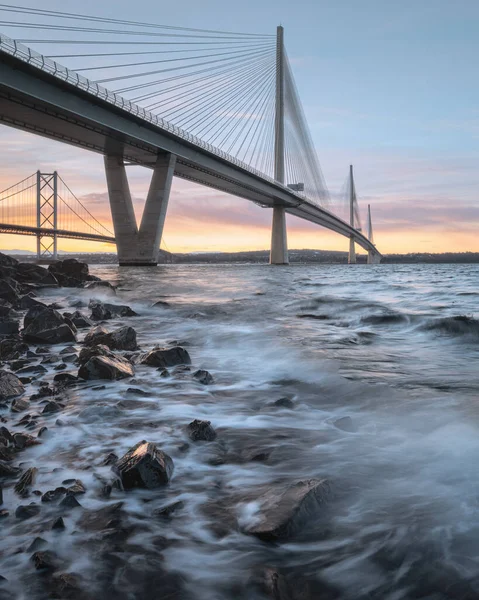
(395,348)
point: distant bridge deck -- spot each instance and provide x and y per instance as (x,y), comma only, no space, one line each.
(73,235)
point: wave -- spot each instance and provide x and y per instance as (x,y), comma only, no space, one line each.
(460,325)
(390,318)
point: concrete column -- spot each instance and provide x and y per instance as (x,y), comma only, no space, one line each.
(139,247)
(279,240)
(374,258)
(124,220)
(154,213)
(352,252)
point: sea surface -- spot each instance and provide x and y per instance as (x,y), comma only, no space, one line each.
(393,347)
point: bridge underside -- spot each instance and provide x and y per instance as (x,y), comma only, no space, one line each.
(34,101)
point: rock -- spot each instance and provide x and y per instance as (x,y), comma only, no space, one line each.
(345,424)
(65,378)
(12,348)
(46,326)
(1,495)
(5,309)
(8,291)
(38,369)
(167,511)
(58,524)
(201,431)
(104,286)
(138,392)
(75,486)
(144,466)
(42,431)
(51,407)
(10,385)
(70,272)
(70,501)
(28,511)
(54,495)
(23,440)
(7,261)
(19,405)
(161,303)
(6,438)
(25,482)
(37,544)
(28,301)
(283,403)
(103,311)
(91,351)
(9,327)
(120,339)
(44,561)
(31,273)
(273,584)
(166,357)
(283,512)
(7,470)
(60,367)
(99,520)
(203,377)
(104,367)
(78,319)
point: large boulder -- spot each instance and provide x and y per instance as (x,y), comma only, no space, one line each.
(282,512)
(90,351)
(46,326)
(201,431)
(102,311)
(7,261)
(28,301)
(9,291)
(12,348)
(144,466)
(78,319)
(31,273)
(166,357)
(70,272)
(104,286)
(106,367)
(10,385)
(5,308)
(120,339)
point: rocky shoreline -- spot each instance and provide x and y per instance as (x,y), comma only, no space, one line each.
(31,412)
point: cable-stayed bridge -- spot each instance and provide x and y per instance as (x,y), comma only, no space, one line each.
(214,107)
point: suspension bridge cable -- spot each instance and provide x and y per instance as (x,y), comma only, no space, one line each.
(86,210)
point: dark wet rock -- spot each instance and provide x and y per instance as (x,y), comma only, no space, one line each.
(51,407)
(24,440)
(12,348)
(283,403)
(45,560)
(102,311)
(283,512)
(120,339)
(42,431)
(22,487)
(60,367)
(7,470)
(203,377)
(345,424)
(9,291)
(4,513)
(103,286)
(138,392)
(166,357)
(65,378)
(16,365)
(70,501)
(35,274)
(46,326)
(103,367)
(111,459)
(99,520)
(162,304)
(37,544)
(201,431)
(78,319)
(58,524)
(70,272)
(144,466)
(9,326)
(8,261)
(19,405)
(27,511)
(1,495)
(33,369)
(54,495)
(75,486)
(90,351)
(167,511)
(10,385)
(6,437)
(45,391)
(5,309)
(270,582)
(28,301)
(164,373)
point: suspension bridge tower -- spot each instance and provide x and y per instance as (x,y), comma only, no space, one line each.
(47,215)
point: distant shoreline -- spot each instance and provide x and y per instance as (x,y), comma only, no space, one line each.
(262,256)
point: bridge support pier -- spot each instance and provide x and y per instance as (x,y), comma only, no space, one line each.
(139,247)
(374,258)
(279,239)
(352,252)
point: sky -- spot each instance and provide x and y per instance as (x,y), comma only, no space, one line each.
(390,87)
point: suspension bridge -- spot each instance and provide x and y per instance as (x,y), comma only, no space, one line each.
(214,107)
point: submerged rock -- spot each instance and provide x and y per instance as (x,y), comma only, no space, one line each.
(10,385)
(26,481)
(166,357)
(201,431)
(101,311)
(104,367)
(144,466)
(6,470)
(203,377)
(46,326)
(28,511)
(346,424)
(283,512)
(104,286)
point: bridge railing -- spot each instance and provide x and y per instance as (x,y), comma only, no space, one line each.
(26,54)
